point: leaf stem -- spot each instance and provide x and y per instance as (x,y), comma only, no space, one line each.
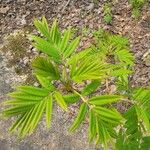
(82,98)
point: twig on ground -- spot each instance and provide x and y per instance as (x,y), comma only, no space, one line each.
(63,9)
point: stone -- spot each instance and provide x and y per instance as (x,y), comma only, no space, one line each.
(4,10)
(90,7)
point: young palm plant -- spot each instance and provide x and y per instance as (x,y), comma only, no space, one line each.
(137,6)
(107,60)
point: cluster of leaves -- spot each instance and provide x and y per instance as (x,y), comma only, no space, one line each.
(137,125)
(107,13)
(108,57)
(137,5)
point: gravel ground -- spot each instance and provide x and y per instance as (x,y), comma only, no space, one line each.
(18,14)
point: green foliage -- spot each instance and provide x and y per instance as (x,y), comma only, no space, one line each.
(137,123)
(44,67)
(114,49)
(86,69)
(60,100)
(61,70)
(80,117)
(107,13)
(28,103)
(137,6)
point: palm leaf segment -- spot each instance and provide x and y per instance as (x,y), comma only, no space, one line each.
(28,104)
(102,120)
(55,45)
(84,68)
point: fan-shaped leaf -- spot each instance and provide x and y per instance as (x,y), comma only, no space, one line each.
(28,104)
(88,69)
(124,56)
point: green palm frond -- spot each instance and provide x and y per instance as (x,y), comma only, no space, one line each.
(142,98)
(53,43)
(28,104)
(124,56)
(42,27)
(137,122)
(107,114)
(114,48)
(131,136)
(55,34)
(71,48)
(78,56)
(117,40)
(87,69)
(102,123)
(92,126)
(65,40)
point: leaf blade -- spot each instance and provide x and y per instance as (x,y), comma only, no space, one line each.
(49,108)
(61,102)
(80,117)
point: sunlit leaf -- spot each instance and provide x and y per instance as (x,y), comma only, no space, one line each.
(60,100)
(43,67)
(80,117)
(104,99)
